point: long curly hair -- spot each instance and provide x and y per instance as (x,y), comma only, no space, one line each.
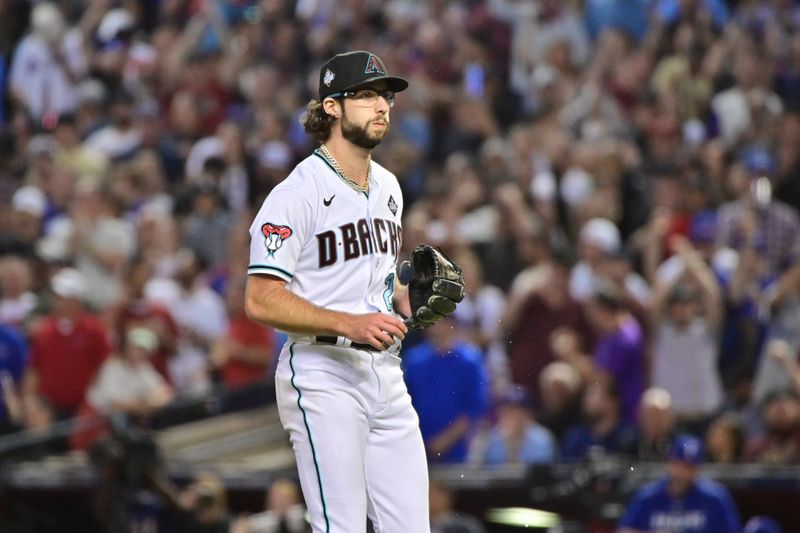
(316,121)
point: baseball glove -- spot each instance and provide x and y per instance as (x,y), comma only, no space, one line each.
(435,285)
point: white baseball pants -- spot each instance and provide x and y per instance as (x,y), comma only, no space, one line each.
(356,439)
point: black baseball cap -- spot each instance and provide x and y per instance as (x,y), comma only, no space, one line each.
(347,71)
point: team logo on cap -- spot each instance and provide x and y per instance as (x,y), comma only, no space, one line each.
(374,66)
(274,235)
(328,78)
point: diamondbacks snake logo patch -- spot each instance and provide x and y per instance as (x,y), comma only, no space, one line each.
(274,235)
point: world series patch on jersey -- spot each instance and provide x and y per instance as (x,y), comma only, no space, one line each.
(325,238)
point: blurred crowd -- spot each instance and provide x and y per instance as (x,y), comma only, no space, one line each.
(619,180)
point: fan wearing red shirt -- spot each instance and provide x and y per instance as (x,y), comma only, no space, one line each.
(136,311)
(244,355)
(68,347)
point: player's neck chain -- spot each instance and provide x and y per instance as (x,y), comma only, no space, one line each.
(335,164)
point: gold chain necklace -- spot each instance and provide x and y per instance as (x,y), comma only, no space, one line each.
(335,164)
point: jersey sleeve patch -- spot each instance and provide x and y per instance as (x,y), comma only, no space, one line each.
(274,236)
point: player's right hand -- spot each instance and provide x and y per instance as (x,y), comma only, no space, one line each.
(376,329)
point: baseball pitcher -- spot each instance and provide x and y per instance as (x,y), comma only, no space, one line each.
(323,268)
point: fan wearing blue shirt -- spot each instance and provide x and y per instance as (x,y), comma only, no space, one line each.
(449,390)
(682,502)
(13,360)
(518,438)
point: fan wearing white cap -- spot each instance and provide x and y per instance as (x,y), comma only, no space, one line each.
(603,261)
(47,64)
(23,222)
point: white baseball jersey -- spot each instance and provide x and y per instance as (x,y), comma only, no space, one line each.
(335,246)
(354,431)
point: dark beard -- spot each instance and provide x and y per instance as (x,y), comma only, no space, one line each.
(358,135)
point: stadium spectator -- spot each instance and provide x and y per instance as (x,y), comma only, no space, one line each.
(747,287)
(536,315)
(685,317)
(725,439)
(683,500)
(245,354)
(656,424)
(480,315)
(566,344)
(560,407)
(781,352)
(103,243)
(517,438)
(619,352)
(605,431)
(444,518)
(135,310)
(207,223)
(22,223)
(630,17)
(780,441)
(33,414)
(201,506)
(129,383)
(747,111)
(121,137)
(200,315)
(780,335)
(598,239)
(89,165)
(46,65)
(447,382)
(13,361)
(18,300)
(755,219)
(127,387)
(284,512)
(67,347)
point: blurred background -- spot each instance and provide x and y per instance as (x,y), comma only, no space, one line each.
(619,179)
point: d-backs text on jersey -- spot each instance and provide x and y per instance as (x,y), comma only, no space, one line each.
(357,239)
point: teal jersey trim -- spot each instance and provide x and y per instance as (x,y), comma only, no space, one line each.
(318,153)
(268,267)
(310,440)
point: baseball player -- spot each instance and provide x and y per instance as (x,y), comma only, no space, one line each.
(322,268)
(683,501)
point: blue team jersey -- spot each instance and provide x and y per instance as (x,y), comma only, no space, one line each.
(707,507)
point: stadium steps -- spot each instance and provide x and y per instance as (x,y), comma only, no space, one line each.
(253,437)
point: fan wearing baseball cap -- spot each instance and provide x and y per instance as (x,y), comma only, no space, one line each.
(683,500)
(68,346)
